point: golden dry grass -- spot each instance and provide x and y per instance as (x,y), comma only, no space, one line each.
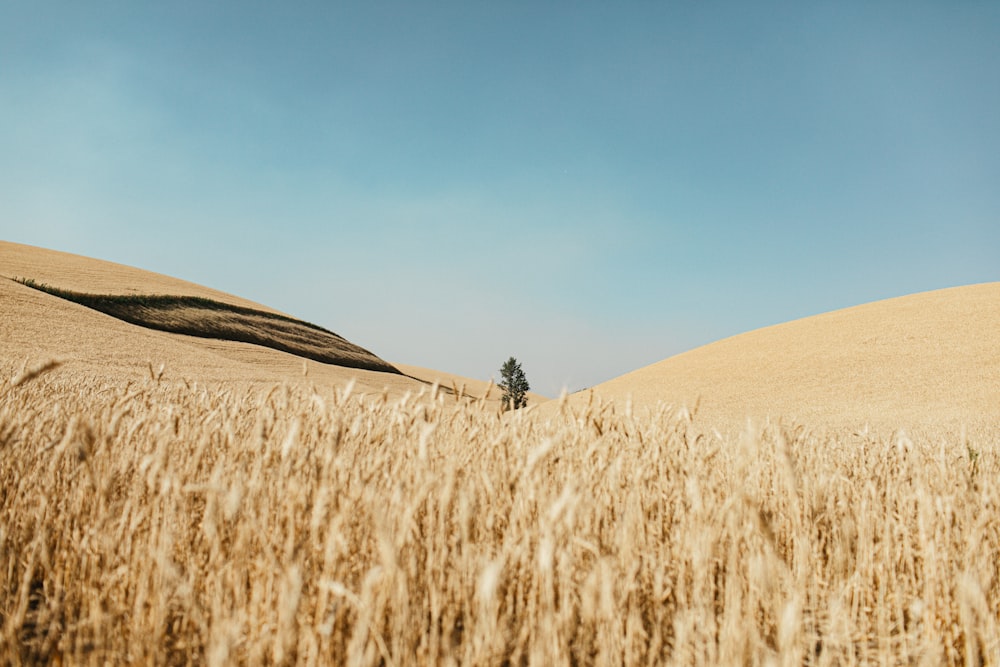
(172,523)
(923,360)
(226,508)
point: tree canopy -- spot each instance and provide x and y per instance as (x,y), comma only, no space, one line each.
(514,384)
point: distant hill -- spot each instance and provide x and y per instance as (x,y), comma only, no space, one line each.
(926,359)
(193,332)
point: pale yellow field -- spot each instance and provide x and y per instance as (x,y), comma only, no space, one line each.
(929,360)
(157,522)
(233,510)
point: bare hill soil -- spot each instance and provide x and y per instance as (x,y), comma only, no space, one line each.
(928,359)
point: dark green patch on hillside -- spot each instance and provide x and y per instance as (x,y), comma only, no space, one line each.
(206,318)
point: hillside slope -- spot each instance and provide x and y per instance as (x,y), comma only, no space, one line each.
(98,276)
(929,358)
(207,318)
(37,326)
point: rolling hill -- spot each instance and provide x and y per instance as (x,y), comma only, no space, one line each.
(925,359)
(931,358)
(193,332)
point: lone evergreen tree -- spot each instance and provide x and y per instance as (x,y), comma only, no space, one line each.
(514,385)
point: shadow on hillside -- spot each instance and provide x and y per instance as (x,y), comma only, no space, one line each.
(206,318)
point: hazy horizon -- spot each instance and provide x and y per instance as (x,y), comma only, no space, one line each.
(588,188)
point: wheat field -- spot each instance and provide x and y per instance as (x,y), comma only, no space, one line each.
(171,522)
(168,499)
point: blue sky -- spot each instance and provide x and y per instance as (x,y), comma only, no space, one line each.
(590,187)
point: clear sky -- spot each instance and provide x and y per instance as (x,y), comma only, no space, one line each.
(587,186)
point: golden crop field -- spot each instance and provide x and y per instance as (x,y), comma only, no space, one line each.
(170,522)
